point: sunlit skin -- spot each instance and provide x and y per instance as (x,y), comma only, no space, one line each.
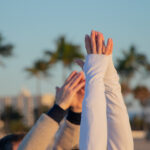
(71,94)
(16,145)
(95,44)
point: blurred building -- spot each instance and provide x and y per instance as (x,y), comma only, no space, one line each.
(25,104)
(47,100)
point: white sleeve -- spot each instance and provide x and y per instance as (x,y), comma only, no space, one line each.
(119,131)
(93,131)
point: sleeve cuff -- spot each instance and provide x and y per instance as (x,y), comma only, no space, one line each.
(56,113)
(74,118)
(93,65)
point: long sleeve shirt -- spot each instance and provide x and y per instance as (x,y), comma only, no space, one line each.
(104,122)
(93,130)
(118,126)
(42,134)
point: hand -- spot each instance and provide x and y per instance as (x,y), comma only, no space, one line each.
(72,92)
(77,100)
(95,44)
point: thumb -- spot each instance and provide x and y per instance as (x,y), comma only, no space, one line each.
(79,62)
(57,89)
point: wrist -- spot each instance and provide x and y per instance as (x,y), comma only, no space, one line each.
(96,64)
(63,106)
(56,113)
(74,117)
(76,110)
(62,103)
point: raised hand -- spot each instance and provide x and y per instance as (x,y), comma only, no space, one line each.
(71,94)
(93,129)
(95,44)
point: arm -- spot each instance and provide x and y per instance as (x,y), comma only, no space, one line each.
(44,130)
(119,131)
(93,133)
(68,134)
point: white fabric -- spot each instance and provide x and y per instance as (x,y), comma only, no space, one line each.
(118,127)
(93,131)
(103,105)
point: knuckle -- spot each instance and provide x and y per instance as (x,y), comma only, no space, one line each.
(65,87)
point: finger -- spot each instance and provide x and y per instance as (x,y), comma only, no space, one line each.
(57,89)
(79,62)
(111,47)
(88,44)
(93,42)
(79,86)
(103,47)
(96,33)
(107,50)
(70,76)
(77,78)
(100,43)
(82,89)
(96,40)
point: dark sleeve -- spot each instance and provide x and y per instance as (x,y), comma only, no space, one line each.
(56,113)
(73,117)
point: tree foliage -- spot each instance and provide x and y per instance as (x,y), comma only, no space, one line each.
(128,65)
(131,63)
(13,120)
(39,68)
(142,93)
(6,50)
(65,52)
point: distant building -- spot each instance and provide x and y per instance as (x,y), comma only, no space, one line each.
(47,100)
(8,101)
(25,104)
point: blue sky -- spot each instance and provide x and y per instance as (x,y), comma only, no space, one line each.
(33,25)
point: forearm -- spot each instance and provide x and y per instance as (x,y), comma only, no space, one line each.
(43,132)
(119,131)
(68,133)
(93,133)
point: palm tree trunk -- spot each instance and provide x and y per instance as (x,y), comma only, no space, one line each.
(63,73)
(38,93)
(38,86)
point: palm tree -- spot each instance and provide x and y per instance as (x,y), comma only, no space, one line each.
(131,63)
(142,93)
(39,70)
(65,53)
(13,120)
(5,49)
